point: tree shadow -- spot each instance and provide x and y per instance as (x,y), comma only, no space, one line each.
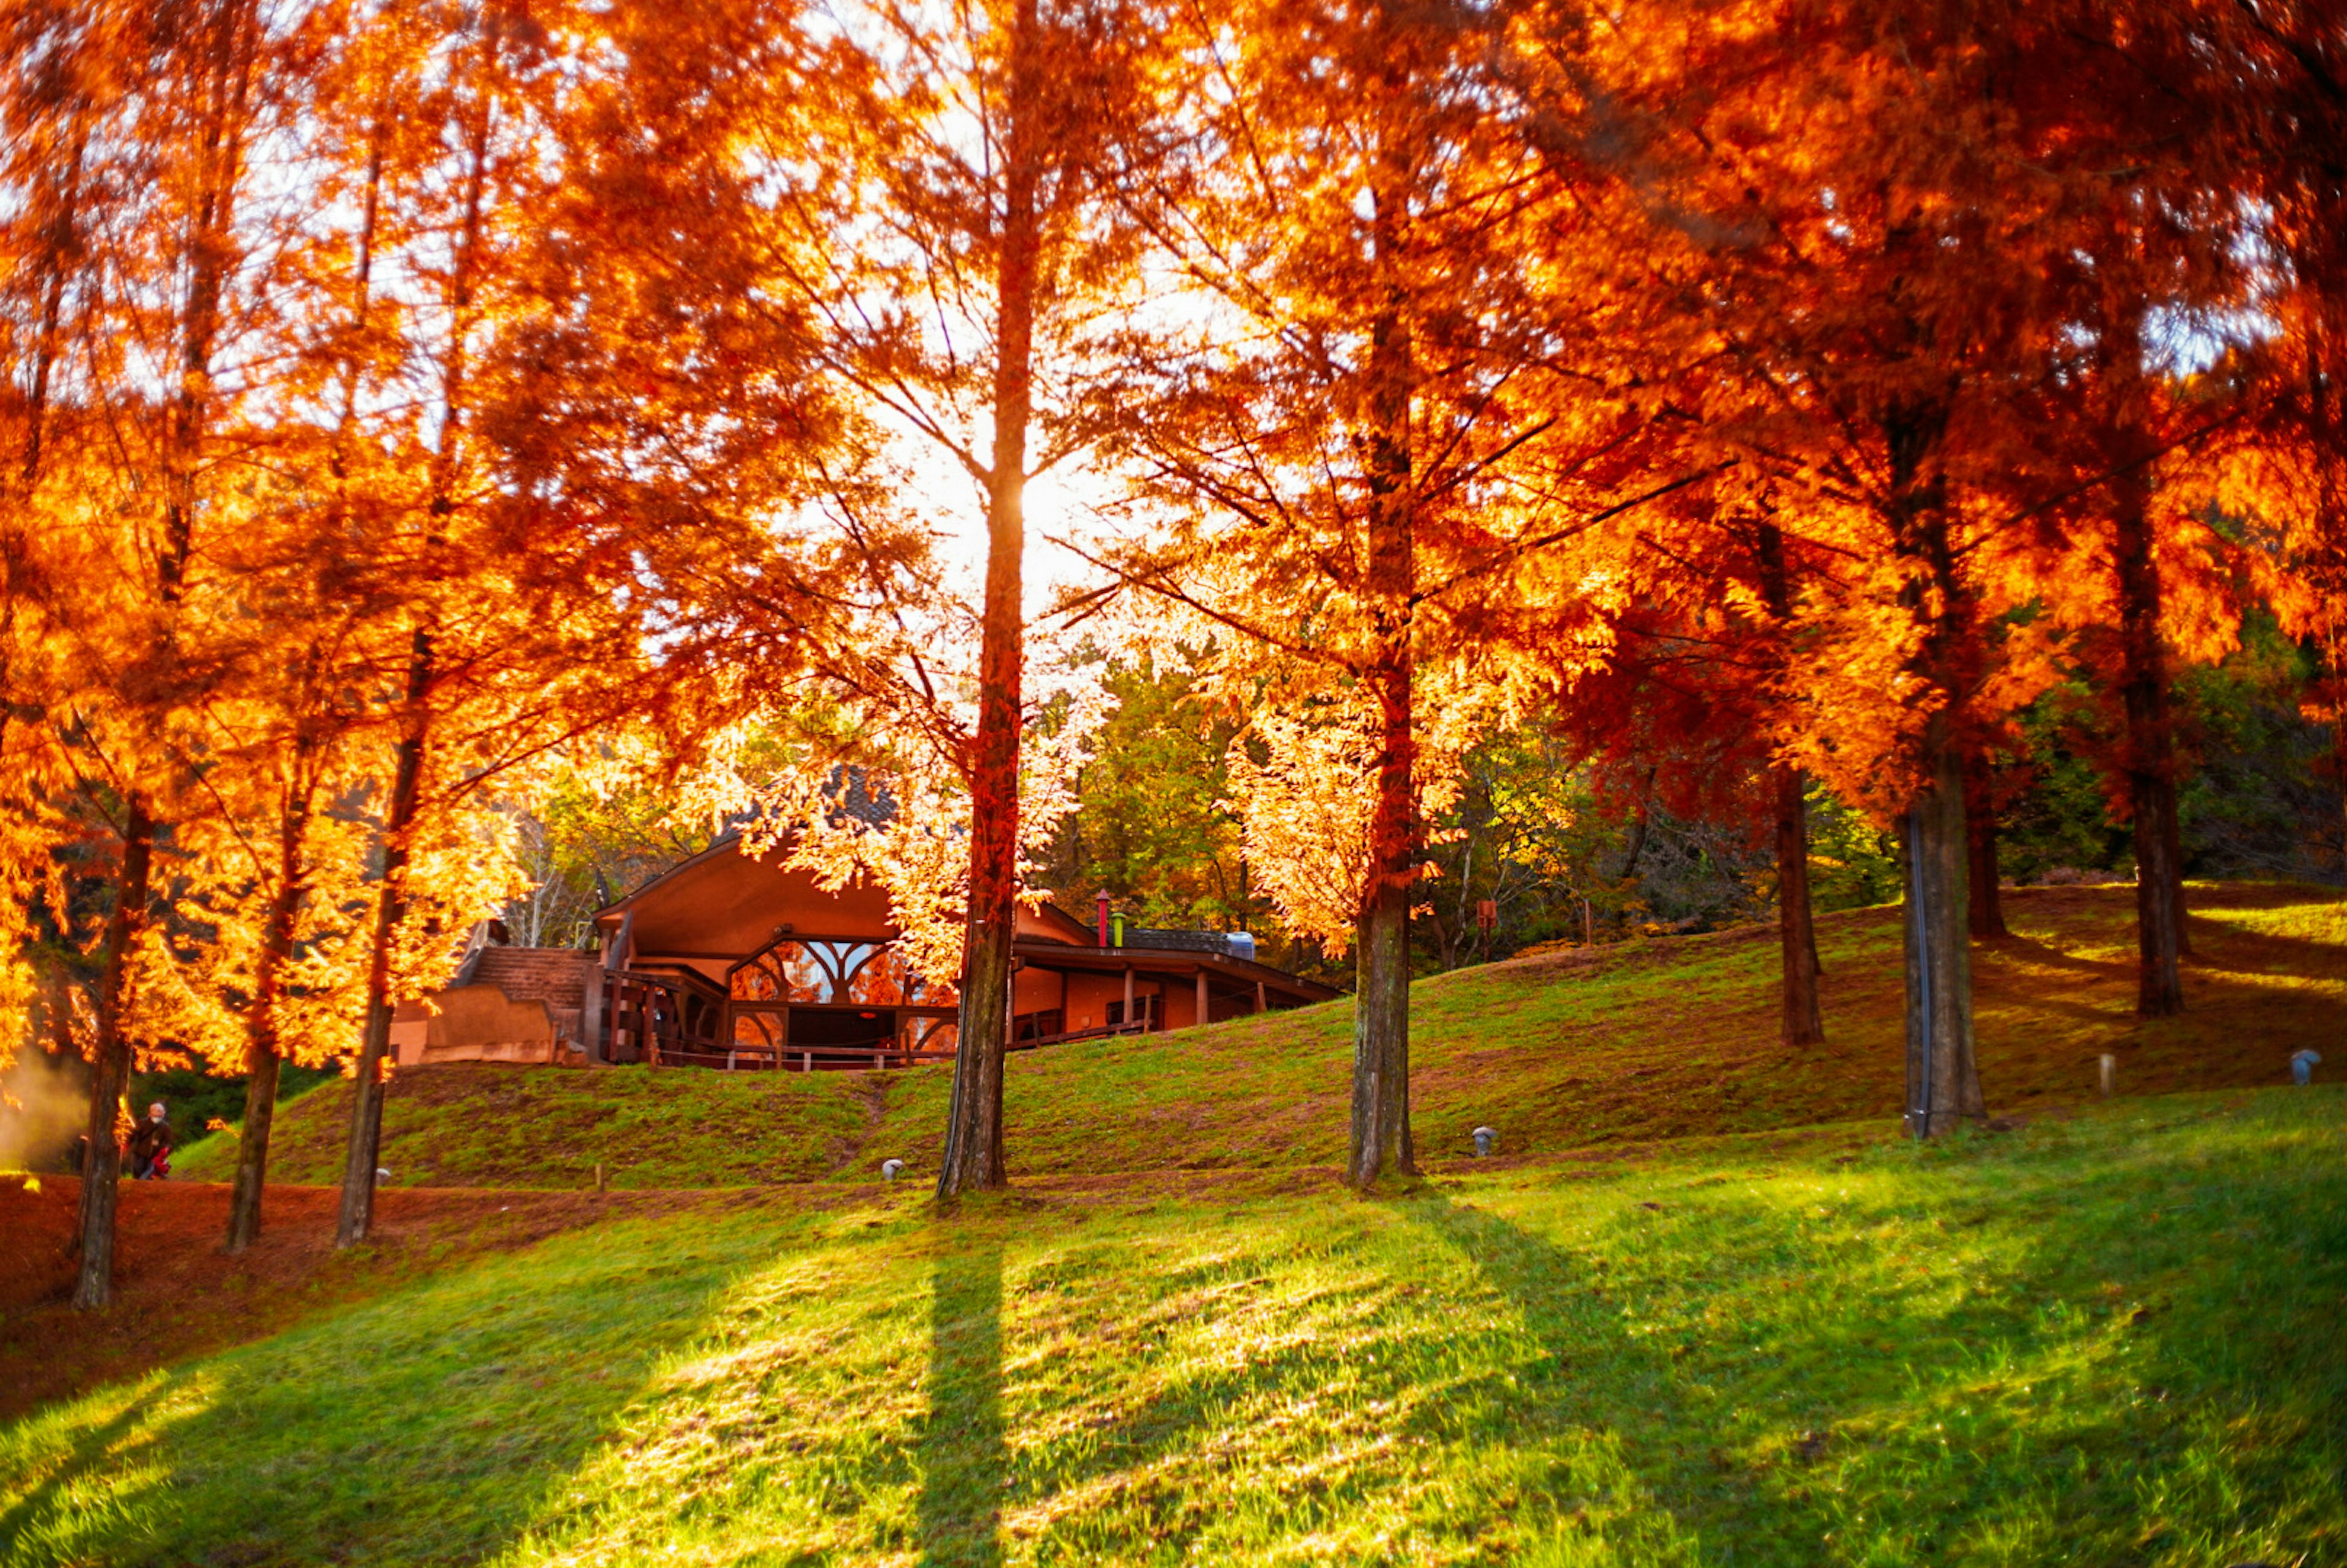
(965,1461)
(2033,1390)
(2233,894)
(432,1424)
(91,1449)
(1569,1311)
(2018,948)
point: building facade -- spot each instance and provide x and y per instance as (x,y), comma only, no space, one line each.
(732,960)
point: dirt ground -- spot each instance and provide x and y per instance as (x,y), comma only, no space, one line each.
(175,1297)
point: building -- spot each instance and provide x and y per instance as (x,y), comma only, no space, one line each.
(731,960)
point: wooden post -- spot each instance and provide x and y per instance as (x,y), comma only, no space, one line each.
(590,1017)
(1203,1007)
(1128,996)
(599,1175)
(2110,1074)
(1262,1001)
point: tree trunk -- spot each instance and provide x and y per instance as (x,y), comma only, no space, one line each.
(101,1169)
(1795,920)
(365,1155)
(360,1164)
(2150,753)
(261,1034)
(1984,906)
(974,1149)
(1942,1076)
(1381,1143)
(1796,927)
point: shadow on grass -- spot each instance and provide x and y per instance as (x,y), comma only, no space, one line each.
(2036,953)
(965,1462)
(87,1452)
(2259,895)
(434,1425)
(1610,1490)
(1992,1346)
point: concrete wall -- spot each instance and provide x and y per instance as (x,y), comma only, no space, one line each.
(478,1023)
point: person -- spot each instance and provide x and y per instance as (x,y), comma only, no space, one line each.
(150,1146)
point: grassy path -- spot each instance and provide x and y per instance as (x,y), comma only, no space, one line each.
(2108,1338)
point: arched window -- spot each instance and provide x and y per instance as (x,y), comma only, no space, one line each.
(856,974)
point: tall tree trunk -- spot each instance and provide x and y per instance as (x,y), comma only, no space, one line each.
(1942,1075)
(1795,919)
(1381,1142)
(261,1059)
(101,1169)
(1796,927)
(974,1148)
(2150,753)
(1986,918)
(363,1156)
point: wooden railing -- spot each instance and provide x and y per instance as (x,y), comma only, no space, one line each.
(801,1059)
(643,1019)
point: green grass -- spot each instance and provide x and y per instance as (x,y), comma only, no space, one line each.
(2107,1339)
(474,1125)
(1648,1041)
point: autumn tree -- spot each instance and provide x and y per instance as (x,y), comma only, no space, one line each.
(1373,433)
(158,166)
(919,189)
(522,510)
(457,118)
(2266,86)
(50,108)
(1870,208)
(1698,686)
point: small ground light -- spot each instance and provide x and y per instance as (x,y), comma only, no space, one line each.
(381,1174)
(2110,1073)
(888,1169)
(2302,1066)
(1485,1137)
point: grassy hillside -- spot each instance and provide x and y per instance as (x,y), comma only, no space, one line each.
(474,1125)
(1648,1041)
(2105,1340)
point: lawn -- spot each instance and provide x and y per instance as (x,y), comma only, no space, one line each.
(2108,1338)
(487,1126)
(1658,1039)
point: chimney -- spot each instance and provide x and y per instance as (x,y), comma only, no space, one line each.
(1102,900)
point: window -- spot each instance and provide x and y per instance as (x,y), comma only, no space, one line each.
(856,974)
(758,1030)
(935,1035)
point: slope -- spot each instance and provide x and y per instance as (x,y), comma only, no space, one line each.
(1648,1041)
(2104,1338)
